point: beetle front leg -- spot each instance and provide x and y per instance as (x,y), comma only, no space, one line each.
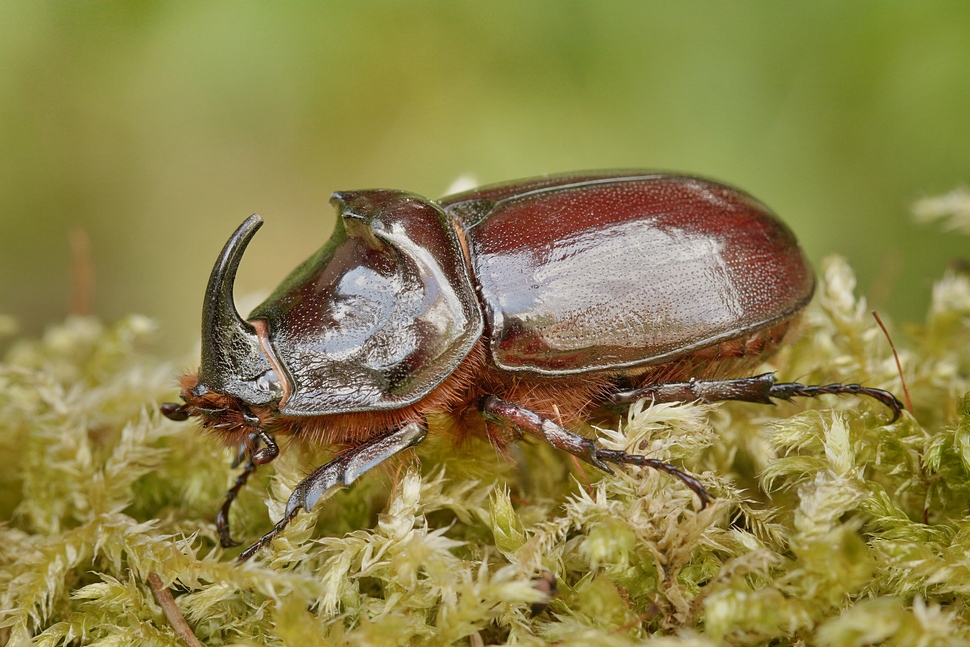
(759,389)
(340,472)
(222,518)
(532,423)
(254,458)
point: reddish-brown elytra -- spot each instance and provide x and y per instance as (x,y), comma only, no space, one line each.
(505,307)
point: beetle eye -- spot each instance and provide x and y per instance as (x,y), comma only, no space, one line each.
(269,381)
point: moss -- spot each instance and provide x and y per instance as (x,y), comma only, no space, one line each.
(831,526)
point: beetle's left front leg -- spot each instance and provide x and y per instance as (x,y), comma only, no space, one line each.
(340,472)
(585,448)
(254,458)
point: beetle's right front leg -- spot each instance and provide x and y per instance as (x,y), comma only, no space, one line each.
(341,472)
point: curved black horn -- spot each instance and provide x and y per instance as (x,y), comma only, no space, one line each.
(231,356)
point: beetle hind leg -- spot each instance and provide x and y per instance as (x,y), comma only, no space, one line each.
(759,389)
(340,472)
(585,448)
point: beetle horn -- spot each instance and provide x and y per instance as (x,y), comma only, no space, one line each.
(231,354)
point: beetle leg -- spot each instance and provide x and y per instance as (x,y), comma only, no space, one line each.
(268,453)
(222,519)
(340,472)
(585,448)
(253,460)
(760,389)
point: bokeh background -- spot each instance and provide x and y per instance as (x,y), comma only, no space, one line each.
(154,128)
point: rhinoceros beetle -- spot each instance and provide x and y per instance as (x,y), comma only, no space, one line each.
(509,309)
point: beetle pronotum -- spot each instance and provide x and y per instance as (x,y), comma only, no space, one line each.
(512,305)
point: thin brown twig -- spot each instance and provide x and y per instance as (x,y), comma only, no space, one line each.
(175,617)
(82,292)
(899,366)
(582,474)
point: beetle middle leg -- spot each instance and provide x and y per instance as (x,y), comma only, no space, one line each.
(532,423)
(340,472)
(759,389)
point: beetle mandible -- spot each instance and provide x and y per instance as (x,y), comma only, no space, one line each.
(505,307)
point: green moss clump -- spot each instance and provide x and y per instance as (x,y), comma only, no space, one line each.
(831,526)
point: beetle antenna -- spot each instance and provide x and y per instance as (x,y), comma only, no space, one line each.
(173,411)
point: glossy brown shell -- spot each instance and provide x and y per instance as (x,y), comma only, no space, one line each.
(595,273)
(602,272)
(380,316)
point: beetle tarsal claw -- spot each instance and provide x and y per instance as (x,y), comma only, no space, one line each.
(786,391)
(623,458)
(759,389)
(268,537)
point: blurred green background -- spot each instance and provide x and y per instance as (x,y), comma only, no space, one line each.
(157,127)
